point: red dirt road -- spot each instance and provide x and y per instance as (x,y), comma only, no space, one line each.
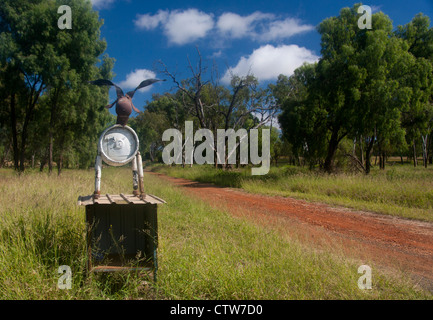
(392,243)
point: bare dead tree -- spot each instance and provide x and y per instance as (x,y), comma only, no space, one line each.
(214,105)
(191,87)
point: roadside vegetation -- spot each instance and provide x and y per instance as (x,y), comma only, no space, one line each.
(370,94)
(400,190)
(203,253)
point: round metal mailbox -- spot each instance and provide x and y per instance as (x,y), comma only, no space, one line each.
(118,145)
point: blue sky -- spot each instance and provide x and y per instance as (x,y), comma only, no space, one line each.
(265,38)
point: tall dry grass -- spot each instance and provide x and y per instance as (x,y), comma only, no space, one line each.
(203,253)
(401,190)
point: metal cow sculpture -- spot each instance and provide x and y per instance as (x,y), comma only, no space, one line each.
(123,103)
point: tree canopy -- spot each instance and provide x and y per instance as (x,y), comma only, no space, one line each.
(371,89)
(374,86)
(44,72)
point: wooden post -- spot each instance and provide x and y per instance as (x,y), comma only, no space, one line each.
(98,169)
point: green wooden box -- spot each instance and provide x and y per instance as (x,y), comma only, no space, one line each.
(122,232)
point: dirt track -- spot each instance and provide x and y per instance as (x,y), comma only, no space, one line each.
(389,242)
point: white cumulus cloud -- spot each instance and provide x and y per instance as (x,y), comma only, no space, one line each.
(134,78)
(187,26)
(100,4)
(236,26)
(281,29)
(149,22)
(180,27)
(268,62)
(260,26)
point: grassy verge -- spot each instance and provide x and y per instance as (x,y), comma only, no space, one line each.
(203,253)
(401,190)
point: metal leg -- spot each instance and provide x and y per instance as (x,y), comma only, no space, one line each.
(134,177)
(140,175)
(98,169)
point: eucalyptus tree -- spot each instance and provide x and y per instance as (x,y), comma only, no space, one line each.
(320,109)
(25,53)
(385,92)
(162,113)
(47,61)
(418,120)
(302,120)
(366,81)
(360,88)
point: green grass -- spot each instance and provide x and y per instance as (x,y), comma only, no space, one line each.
(203,253)
(400,190)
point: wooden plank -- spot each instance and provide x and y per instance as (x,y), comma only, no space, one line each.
(135,199)
(110,199)
(126,199)
(102,200)
(136,223)
(116,227)
(119,199)
(84,201)
(89,234)
(100,234)
(157,198)
(104,225)
(128,229)
(140,236)
(152,199)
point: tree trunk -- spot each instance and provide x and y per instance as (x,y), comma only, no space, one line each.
(42,164)
(332,147)
(53,109)
(60,164)
(14,131)
(61,148)
(151,153)
(50,152)
(381,157)
(414,155)
(430,151)
(424,150)
(368,156)
(34,96)
(5,155)
(24,141)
